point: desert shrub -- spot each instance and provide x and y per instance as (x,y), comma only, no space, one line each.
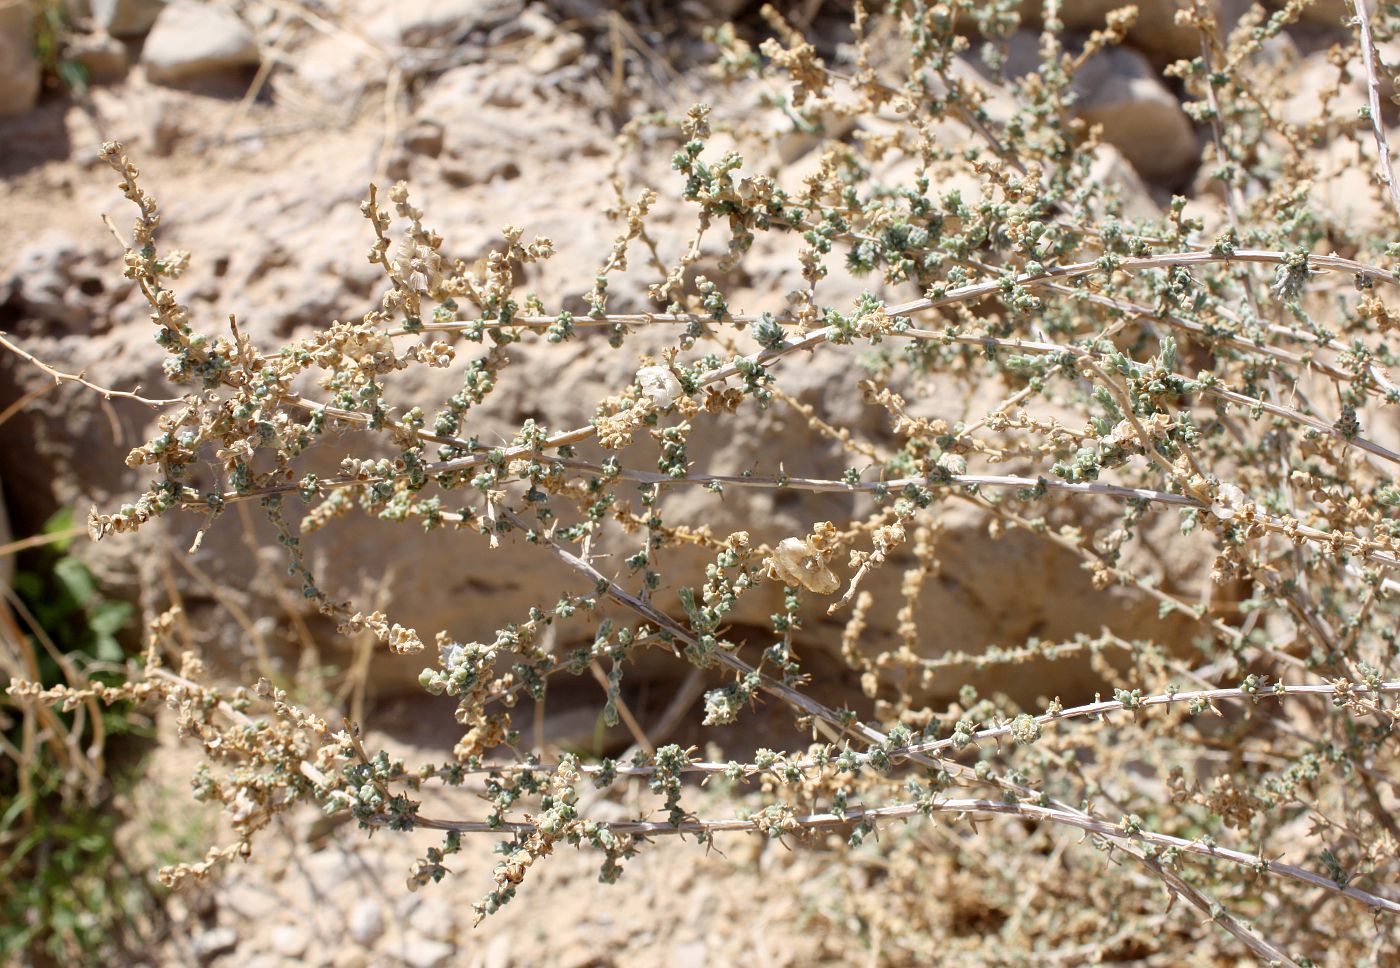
(1229,378)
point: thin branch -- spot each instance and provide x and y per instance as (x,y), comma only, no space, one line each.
(1099,709)
(108,393)
(39,540)
(962,807)
(1368,58)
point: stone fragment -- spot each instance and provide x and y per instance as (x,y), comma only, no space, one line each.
(498,953)
(1139,115)
(433,918)
(289,940)
(559,52)
(336,68)
(366,921)
(330,869)
(412,24)
(1113,171)
(1346,186)
(19,68)
(1119,89)
(425,953)
(249,899)
(208,945)
(1155,30)
(104,56)
(126,18)
(690,954)
(190,41)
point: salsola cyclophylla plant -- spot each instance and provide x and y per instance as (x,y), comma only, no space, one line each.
(1235,380)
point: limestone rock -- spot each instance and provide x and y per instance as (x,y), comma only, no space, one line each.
(1139,115)
(289,940)
(1156,29)
(248,898)
(308,268)
(126,18)
(498,953)
(44,279)
(19,69)
(366,921)
(210,944)
(348,957)
(1312,77)
(1347,184)
(190,41)
(1113,170)
(1329,13)
(424,953)
(558,52)
(433,918)
(471,105)
(1119,89)
(336,67)
(104,56)
(690,954)
(411,24)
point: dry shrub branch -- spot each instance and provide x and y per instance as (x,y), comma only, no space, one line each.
(1236,382)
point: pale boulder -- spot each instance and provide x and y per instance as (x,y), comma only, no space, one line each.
(191,41)
(1139,115)
(1119,89)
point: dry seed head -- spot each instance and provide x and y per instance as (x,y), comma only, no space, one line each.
(660,385)
(796,562)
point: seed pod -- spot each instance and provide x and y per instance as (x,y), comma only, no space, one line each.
(660,384)
(796,562)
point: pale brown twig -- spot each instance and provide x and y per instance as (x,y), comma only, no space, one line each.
(1368,58)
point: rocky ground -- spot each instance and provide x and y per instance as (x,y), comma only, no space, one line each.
(258,126)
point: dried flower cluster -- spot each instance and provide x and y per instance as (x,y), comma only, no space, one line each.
(1234,380)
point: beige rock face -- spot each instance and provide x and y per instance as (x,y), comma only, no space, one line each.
(512,129)
(986,591)
(285,250)
(19,69)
